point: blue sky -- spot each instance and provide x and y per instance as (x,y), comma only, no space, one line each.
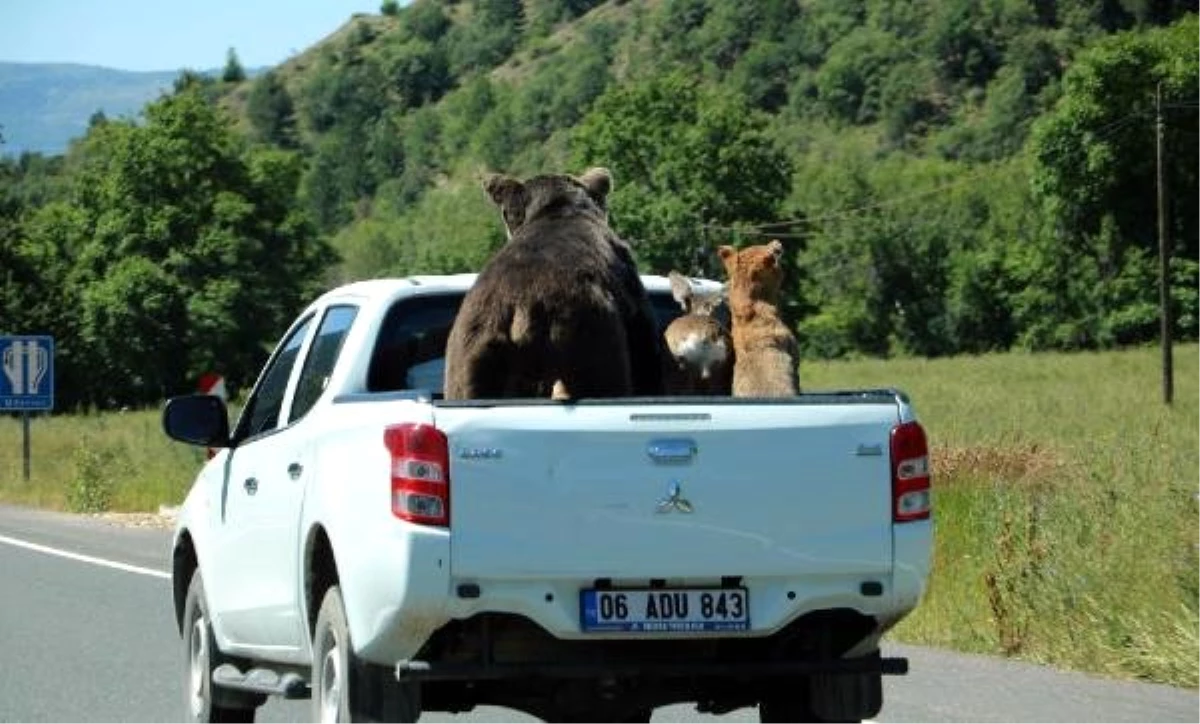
(168,34)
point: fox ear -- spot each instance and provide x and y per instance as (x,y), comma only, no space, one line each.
(728,258)
(776,249)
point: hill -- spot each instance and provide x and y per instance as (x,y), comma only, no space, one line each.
(929,163)
(43,105)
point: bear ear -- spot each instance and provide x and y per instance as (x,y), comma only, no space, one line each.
(598,182)
(509,194)
(503,190)
(681,289)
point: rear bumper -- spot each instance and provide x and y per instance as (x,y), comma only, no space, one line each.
(414,670)
(553,604)
(509,661)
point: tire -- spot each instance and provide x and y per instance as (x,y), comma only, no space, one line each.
(783,709)
(790,710)
(346,689)
(201,700)
(636,718)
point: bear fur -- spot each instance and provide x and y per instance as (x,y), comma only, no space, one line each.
(701,351)
(766,352)
(559,311)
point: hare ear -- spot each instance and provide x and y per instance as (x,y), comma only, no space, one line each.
(721,295)
(681,289)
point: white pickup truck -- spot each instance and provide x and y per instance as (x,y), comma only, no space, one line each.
(360,541)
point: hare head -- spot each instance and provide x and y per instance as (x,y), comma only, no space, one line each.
(700,346)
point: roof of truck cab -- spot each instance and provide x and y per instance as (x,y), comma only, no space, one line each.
(387,287)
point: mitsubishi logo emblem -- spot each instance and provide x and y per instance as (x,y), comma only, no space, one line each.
(674,500)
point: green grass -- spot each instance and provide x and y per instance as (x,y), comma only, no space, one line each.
(118,461)
(1065,506)
(1065,499)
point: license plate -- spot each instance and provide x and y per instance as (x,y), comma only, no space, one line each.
(664,609)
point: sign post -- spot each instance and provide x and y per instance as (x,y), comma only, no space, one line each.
(28,380)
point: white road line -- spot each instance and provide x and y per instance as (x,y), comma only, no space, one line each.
(84,559)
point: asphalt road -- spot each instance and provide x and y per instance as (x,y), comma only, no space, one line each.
(87,634)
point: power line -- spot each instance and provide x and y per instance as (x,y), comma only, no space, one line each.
(1104,133)
(1112,128)
(853,211)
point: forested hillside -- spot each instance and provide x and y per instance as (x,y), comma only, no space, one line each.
(949,177)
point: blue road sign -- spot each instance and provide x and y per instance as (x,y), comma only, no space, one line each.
(27,382)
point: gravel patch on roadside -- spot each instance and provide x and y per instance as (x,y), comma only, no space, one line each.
(164,519)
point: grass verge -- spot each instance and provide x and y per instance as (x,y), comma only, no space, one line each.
(1065,498)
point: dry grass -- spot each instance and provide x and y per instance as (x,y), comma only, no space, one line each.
(1026,463)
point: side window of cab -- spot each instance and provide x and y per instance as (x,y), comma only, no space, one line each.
(321,358)
(262,410)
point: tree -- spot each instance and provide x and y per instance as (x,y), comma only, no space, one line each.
(418,71)
(850,82)
(427,20)
(682,156)
(489,39)
(234,72)
(186,252)
(1095,178)
(271,111)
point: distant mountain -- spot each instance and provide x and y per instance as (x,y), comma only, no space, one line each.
(45,105)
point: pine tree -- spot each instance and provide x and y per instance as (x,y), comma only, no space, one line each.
(234,72)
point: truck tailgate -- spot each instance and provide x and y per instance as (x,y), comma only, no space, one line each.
(745,488)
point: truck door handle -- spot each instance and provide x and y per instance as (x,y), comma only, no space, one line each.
(251,485)
(294,470)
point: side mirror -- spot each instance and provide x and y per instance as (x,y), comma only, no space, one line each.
(197,420)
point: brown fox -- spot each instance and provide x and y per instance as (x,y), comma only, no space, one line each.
(765,349)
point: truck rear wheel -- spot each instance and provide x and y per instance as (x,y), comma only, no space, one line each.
(347,689)
(784,709)
(204,702)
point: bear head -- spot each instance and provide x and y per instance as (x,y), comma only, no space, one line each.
(521,202)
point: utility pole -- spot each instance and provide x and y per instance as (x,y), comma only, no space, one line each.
(1164,260)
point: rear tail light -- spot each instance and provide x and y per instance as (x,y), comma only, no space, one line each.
(910,473)
(420,473)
